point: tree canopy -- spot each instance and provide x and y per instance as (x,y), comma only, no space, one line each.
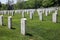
(36,4)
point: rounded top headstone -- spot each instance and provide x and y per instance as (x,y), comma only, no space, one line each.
(10,17)
(23,19)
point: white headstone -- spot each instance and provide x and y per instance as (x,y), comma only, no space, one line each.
(54,18)
(1,20)
(43,11)
(23,24)
(10,22)
(15,11)
(8,12)
(4,12)
(12,13)
(46,12)
(40,14)
(49,11)
(23,15)
(27,11)
(19,11)
(31,15)
(56,11)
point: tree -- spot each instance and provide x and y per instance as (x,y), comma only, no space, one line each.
(0,5)
(57,2)
(10,5)
(38,3)
(47,3)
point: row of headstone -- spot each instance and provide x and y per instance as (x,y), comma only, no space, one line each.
(11,12)
(9,21)
(47,11)
(23,23)
(15,11)
(26,10)
(40,13)
(2,12)
(54,15)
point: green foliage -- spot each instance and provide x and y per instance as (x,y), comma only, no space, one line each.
(36,4)
(47,3)
(4,7)
(33,4)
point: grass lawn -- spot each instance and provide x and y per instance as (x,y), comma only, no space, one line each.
(35,29)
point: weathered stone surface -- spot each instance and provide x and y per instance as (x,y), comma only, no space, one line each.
(23,14)
(1,20)
(54,18)
(10,22)
(23,24)
(40,14)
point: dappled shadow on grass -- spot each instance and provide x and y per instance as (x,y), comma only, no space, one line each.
(58,22)
(4,24)
(13,28)
(28,34)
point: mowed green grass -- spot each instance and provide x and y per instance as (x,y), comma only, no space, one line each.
(35,29)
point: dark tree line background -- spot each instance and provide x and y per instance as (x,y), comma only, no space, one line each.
(32,4)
